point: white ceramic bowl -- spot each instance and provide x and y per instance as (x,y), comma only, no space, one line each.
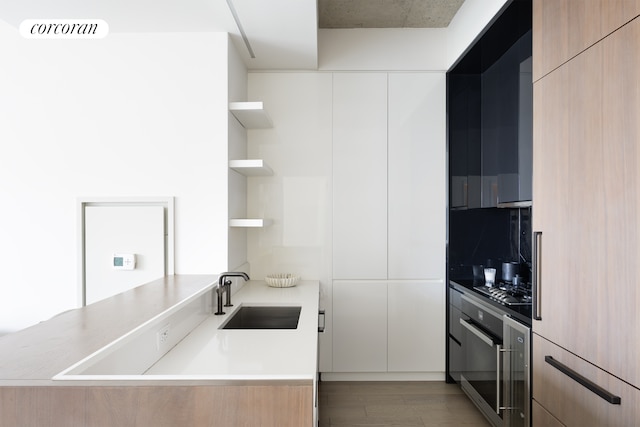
(282,280)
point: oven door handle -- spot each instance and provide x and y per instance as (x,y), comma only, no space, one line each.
(478,333)
(499,350)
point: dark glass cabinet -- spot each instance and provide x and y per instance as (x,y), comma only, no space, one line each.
(464,141)
(490,93)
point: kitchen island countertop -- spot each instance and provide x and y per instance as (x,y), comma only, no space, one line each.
(234,354)
(37,354)
(210,377)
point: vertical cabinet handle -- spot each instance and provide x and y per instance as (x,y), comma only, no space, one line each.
(537,270)
(321,316)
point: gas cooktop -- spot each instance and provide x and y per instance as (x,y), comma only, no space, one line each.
(506,293)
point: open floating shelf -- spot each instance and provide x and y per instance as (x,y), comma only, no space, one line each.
(251,115)
(255,167)
(249,223)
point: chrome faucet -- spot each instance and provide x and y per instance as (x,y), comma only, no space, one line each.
(224,285)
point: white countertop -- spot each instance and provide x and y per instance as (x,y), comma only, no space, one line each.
(233,354)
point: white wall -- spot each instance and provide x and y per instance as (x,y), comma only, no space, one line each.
(389,49)
(237,149)
(405,49)
(472,17)
(128,115)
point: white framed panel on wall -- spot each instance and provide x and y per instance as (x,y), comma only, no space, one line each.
(110,229)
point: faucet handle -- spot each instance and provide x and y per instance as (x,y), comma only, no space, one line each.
(227,286)
(218,291)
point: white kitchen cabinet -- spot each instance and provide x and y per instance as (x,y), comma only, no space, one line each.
(395,326)
(360,176)
(359,326)
(416,326)
(389,176)
(416,176)
(389,222)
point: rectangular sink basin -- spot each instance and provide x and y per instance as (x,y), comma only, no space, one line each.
(268,317)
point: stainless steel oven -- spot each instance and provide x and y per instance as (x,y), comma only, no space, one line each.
(495,373)
(482,344)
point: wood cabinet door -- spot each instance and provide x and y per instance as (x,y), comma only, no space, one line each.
(618,297)
(567,145)
(542,418)
(561,30)
(566,385)
(616,13)
(564,28)
(586,158)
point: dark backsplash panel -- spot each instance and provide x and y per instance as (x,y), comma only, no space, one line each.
(488,237)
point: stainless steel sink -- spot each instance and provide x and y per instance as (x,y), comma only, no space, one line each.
(264,317)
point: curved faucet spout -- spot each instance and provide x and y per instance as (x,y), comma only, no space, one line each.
(221,280)
(224,285)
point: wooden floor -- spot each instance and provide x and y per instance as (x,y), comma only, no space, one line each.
(427,404)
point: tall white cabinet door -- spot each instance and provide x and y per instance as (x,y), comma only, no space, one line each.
(417,176)
(360,176)
(416,326)
(359,326)
(109,230)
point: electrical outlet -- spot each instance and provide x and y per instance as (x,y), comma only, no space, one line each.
(162,337)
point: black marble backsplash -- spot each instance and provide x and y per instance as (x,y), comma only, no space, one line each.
(488,237)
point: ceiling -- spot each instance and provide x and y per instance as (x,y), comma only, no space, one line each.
(281,34)
(387,13)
